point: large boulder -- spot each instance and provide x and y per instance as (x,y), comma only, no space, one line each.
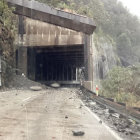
(55,85)
(35,88)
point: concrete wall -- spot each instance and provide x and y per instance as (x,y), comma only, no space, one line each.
(88,85)
(88,62)
(22,60)
(38,33)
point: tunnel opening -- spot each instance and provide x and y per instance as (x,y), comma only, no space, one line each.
(55,64)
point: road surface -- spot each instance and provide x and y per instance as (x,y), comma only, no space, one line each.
(40,115)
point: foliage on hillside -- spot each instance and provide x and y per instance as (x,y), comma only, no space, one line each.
(79,8)
(7,33)
(123,84)
(124,28)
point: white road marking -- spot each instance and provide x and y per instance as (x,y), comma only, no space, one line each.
(26,99)
(27,123)
(96,117)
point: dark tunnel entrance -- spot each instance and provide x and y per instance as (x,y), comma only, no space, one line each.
(58,64)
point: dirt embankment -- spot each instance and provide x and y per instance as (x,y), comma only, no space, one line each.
(21,82)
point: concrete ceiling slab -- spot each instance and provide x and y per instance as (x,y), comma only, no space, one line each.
(57,17)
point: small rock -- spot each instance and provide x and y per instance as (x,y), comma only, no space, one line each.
(66,117)
(116,122)
(129,131)
(111,111)
(81,106)
(138,127)
(78,133)
(99,112)
(132,121)
(91,104)
(115,115)
(100,122)
(121,130)
(126,123)
(55,85)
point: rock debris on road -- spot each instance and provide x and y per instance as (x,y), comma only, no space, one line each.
(47,115)
(124,127)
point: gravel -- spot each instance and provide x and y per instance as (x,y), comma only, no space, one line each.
(21,82)
(122,125)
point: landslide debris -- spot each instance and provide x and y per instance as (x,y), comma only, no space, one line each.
(21,82)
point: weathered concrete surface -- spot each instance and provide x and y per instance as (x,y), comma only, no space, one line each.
(46,26)
(47,14)
(38,33)
(88,57)
(22,60)
(28,115)
(88,85)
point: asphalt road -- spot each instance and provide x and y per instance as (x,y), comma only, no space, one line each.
(28,115)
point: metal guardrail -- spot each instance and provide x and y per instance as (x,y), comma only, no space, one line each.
(120,108)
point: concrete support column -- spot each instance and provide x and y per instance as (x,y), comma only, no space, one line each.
(88,65)
(22,60)
(88,69)
(31,64)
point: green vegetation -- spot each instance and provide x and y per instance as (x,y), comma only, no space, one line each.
(72,5)
(7,33)
(123,84)
(124,28)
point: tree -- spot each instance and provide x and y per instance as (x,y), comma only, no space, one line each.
(7,34)
(123,84)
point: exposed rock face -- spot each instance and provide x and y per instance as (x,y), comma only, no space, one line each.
(104,58)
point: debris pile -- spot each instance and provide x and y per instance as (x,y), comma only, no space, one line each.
(126,127)
(21,82)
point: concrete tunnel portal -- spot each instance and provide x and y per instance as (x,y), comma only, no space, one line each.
(52,44)
(51,53)
(55,63)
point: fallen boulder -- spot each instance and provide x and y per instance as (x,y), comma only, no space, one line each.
(35,88)
(92,104)
(78,133)
(55,85)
